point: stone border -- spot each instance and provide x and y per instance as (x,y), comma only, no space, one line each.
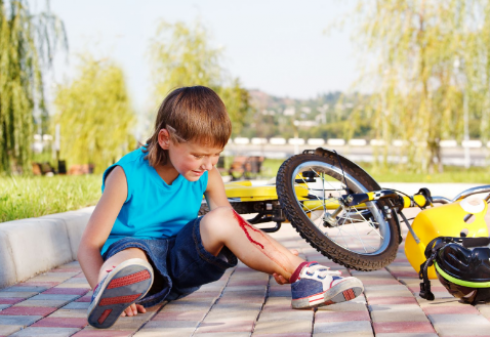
(32,246)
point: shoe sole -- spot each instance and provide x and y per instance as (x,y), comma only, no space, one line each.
(126,284)
(346,290)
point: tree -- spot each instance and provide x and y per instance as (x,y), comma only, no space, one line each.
(412,50)
(183,56)
(95,115)
(27,44)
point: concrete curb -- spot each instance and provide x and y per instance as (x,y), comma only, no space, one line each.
(32,246)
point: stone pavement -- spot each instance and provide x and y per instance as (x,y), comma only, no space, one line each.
(248,303)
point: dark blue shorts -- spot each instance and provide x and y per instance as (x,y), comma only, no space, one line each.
(181,263)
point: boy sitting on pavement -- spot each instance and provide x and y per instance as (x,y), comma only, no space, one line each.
(144,242)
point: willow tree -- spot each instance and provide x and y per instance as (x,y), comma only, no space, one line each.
(27,44)
(182,55)
(423,59)
(95,115)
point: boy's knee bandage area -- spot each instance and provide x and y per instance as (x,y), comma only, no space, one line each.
(262,243)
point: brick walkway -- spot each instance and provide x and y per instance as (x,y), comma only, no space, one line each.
(248,303)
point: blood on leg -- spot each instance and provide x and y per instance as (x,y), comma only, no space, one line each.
(263,243)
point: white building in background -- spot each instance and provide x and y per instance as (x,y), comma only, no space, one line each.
(316,141)
(377,142)
(277,141)
(296,141)
(448,143)
(357,142)
(259,141)
(472,144)
(336,142)
(241,141)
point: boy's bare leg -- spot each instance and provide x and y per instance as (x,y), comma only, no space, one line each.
(116,259)
(223,227)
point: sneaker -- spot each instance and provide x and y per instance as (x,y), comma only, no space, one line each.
(123,286)
(317,286)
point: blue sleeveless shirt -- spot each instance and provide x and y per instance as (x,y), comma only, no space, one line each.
(153,209)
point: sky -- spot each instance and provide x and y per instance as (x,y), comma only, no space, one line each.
(279,47)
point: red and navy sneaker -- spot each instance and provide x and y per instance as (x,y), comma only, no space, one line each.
(124,285)
(318,286)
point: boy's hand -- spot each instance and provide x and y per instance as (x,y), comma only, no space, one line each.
(281,279)
(133,310)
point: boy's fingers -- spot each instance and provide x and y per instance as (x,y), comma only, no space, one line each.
(279,278)
(140,308)
(294,252)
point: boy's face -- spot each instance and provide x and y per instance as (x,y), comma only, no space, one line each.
(191,159)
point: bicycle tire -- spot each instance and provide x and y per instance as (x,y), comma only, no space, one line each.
(357,181)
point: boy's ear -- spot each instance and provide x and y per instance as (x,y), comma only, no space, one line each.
(163,139)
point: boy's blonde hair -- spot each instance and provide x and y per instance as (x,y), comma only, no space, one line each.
(190,114)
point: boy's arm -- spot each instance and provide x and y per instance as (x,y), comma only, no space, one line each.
(100,224)
(215,191)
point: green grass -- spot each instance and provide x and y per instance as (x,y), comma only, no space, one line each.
(27,197)
(451,174)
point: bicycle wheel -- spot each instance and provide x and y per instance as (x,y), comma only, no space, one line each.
(309,187)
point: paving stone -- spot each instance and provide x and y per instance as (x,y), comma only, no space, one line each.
(406,335)
(216,315)
(74,313)
(346,316)
(67,298)
(6,330)
(286,315)
(389,293)
(223,334)
(413,327)
(104,333)
(19,294)
(14,289)
(450,309)
(66,291)
(226,326)
(284,326)
(163,325)
(353,327)
(41,303)
(191,315)
(391,300)
(344,306)
(397,313)
(484,310)
(46,285)
(10,300)
(61,322)
(168,333)
(48,332)
(346,334)
(27,311)
(19,320)
(460,319)
(77,305)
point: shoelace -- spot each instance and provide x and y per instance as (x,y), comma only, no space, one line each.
(322,271)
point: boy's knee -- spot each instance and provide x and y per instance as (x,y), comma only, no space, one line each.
(217,219)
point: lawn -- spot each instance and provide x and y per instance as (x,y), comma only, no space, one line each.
(451,174)
(26,197)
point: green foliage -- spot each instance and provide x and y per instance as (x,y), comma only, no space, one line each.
(428,62)
(183,56)
(27,197)
(95,115)
(26,46)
